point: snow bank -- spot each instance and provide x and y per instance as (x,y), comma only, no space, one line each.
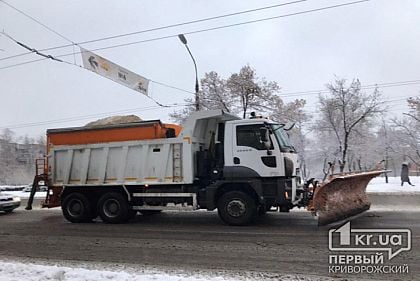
(12,187)
(34,271)
(16,271)
(378,185)
(25,195)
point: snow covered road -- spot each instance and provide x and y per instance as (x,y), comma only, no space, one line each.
(195,242)
(189,246)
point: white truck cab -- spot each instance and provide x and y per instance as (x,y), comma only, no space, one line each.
(250,154)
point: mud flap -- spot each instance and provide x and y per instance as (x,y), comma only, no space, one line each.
(342,197)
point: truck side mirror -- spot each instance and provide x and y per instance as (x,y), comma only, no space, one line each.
(289,126)
(265,138)
(264,135)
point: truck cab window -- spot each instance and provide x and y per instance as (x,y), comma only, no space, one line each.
(282,138)
(249,135)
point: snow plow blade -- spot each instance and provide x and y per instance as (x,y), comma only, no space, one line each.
(342,197)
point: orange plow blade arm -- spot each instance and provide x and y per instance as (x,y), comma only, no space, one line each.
(342,197)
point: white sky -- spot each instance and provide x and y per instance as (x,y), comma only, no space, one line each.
(376,41)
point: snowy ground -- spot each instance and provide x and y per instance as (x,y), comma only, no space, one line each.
(15,271)
(378,185)
(12,187)
(11,270)
(25,195)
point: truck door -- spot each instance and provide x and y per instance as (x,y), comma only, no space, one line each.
(250,153)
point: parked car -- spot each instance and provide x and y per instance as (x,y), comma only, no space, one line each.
(12,187)
(42,187)
(8,202)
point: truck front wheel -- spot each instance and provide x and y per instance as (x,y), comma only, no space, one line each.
(236,208)
(113,208)
(77,208)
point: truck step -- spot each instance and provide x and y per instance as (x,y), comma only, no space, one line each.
(167,195)
(166,208)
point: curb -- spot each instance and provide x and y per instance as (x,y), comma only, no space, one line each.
(395,200)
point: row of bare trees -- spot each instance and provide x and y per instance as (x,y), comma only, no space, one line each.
(17,157)
(242,93)
(409,131)
(345,116)
(349,130)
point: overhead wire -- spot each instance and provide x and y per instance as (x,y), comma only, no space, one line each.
(32,50)
(386,84)
(37,21)
(155,28)
(84,117)
(371,86)
(202,30)
(192,32)
(383,101)
(391,84)
(38,52)
(75,64)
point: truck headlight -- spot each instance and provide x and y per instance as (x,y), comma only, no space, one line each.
(16,199)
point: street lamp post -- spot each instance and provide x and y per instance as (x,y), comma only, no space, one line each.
(197,89)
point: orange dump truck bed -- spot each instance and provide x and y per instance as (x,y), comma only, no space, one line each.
(134,131)
(141,130)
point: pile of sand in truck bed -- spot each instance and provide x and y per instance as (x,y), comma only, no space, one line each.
(112,120)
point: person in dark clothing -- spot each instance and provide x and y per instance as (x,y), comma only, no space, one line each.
(404,174)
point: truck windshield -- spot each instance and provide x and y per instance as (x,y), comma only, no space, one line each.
(282,138)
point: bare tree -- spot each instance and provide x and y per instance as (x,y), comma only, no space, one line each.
(41,140)
(238,94)
(409,130)
(294,112)
(7,157)
(250,92)
(7,135)
(214,94)
(344,112)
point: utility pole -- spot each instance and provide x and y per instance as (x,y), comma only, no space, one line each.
(386,150)
(386,163)
(197,89)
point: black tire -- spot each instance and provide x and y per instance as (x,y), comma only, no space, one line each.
(236,208)
(76,208)
(150,212)
(113,208)
(8,211)
(262,210)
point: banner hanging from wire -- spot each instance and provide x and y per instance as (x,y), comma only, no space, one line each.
(116,73)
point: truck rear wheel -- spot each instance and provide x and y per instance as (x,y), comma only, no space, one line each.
(113,208)
(77,208)
(236,208)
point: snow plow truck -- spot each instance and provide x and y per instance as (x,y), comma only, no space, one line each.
(215,160)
